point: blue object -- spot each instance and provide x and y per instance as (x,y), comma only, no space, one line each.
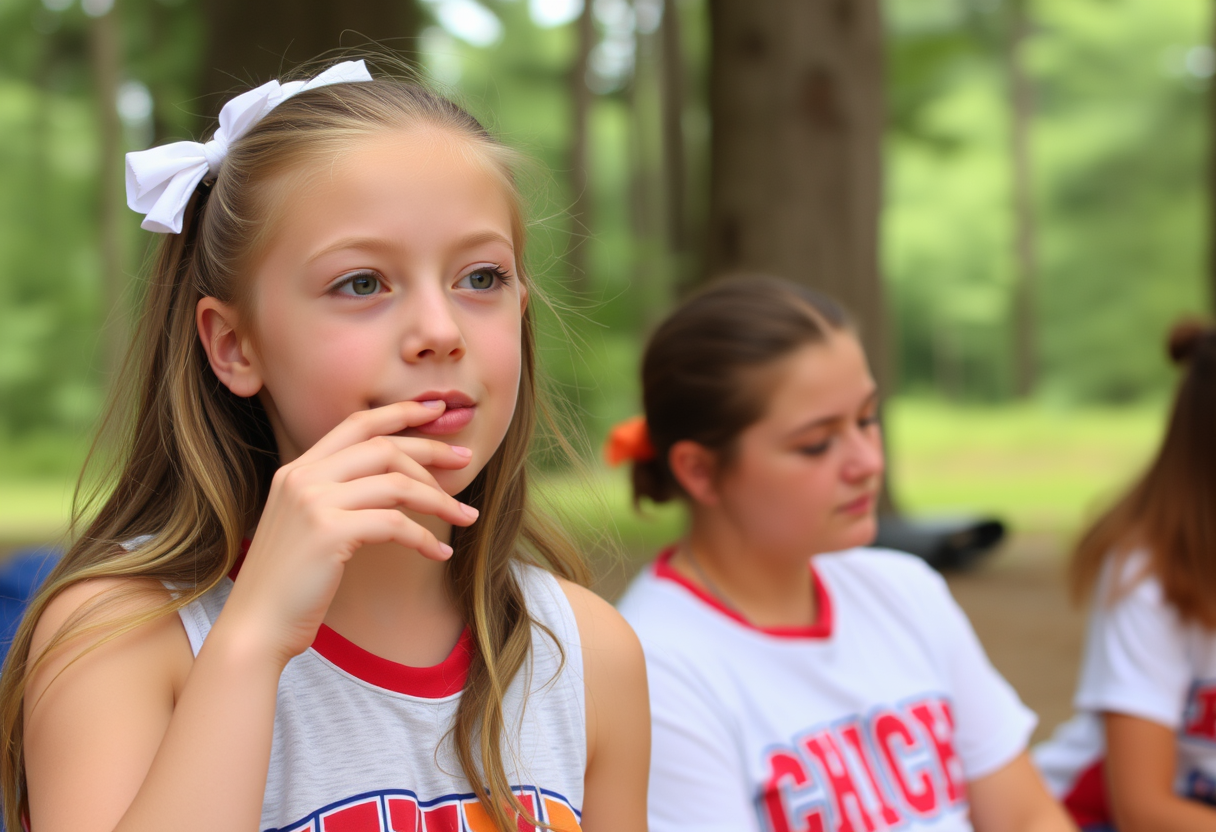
(20,577)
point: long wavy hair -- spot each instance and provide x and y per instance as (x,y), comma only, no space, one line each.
(1170,511)
(191,463)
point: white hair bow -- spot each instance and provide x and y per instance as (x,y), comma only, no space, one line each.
(160,180)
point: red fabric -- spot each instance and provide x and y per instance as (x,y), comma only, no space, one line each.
(435,682)
(1086,802)
(821,628)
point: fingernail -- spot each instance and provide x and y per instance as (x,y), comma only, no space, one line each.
(445,548)
(461,450)
(432,403)
(470,511)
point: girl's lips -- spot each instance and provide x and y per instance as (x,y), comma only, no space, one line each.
(862,505)
(452,420)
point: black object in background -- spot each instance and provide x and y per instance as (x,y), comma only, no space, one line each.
(944,543)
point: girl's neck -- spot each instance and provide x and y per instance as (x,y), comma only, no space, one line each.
(395,603)
(769,589)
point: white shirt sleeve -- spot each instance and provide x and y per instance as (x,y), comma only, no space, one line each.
(1135,659)
(697,783)
(992,726)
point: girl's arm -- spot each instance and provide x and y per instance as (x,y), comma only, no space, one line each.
(134,736)
(1014,799)
(1140,769)
(618,716)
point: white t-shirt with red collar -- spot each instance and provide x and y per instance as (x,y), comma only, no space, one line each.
(1141,659)
(875,717)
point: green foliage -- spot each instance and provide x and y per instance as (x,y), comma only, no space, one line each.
(1119,144)
(1119,148)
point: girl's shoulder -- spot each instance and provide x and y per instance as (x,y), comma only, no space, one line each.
(600,626)
(115,628)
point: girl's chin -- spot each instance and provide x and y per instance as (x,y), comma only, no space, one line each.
(453,481)
(861,532)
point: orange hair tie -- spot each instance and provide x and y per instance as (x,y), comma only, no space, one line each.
(629,442)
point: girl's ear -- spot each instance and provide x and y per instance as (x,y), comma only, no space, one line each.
(231,355)
(695,467)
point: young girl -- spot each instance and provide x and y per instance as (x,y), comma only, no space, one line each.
(1141,752)
(335,342)
(850,695)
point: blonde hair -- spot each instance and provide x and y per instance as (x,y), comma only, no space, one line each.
(195,461)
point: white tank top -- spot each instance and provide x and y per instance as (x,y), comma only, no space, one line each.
(360,742)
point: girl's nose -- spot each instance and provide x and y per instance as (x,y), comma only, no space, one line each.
(432,331)
(865,454)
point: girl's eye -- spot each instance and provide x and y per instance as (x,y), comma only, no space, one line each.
(483,279)
(818,449)
(360,284)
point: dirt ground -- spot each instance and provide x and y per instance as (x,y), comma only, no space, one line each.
(1019,606)
(1017,602)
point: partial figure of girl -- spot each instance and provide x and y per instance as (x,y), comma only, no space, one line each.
(799,682)
(315,596)
(1140,754)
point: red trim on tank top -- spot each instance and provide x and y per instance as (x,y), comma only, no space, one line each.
(821,628)
(434,682)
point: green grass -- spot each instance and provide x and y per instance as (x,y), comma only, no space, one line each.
(1039,468)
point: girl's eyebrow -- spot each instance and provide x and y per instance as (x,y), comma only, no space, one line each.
(364,243)
(380,244)
(827,420)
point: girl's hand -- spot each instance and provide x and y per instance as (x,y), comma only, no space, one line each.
(351,489)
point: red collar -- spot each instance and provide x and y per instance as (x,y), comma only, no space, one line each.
(434,682)
(820,629)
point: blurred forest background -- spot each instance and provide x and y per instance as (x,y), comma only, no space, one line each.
(1043,213)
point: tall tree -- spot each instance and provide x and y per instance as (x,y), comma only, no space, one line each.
(672,99)
(105,54)
(253,41)
(796,107)
(580,149)
(1025,250)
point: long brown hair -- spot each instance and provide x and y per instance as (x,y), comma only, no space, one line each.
(194,462)
(1170,512)
(703,370)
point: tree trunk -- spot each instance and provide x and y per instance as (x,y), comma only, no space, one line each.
(105,59)
(671,69)
(580,152)
(1025,253)
(797,112)
(254,42)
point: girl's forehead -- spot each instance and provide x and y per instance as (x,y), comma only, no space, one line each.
(420,184)
(825,380)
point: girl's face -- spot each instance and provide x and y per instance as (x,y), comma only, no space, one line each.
(392,276)
(805,478)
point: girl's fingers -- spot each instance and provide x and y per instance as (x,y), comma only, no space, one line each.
(399,491)
(432,452)
(378,421)
(385,454)
(391,526)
